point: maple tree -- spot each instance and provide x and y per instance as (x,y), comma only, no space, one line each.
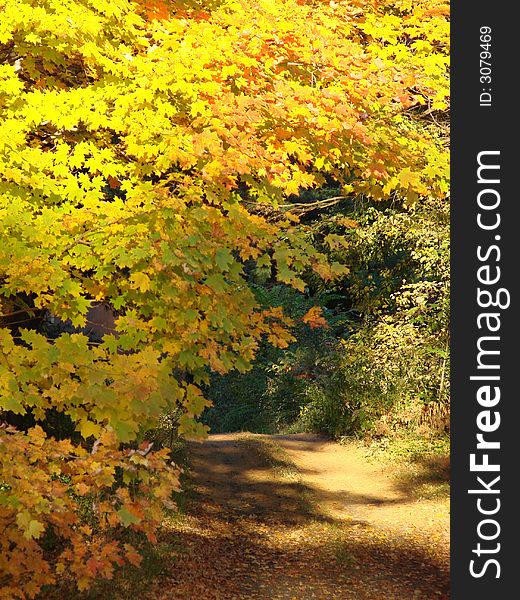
(134,139)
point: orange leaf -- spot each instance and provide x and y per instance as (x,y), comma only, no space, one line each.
(113,182)
(132,555)
(314,318)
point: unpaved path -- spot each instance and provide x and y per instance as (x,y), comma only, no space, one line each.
(299,517)
(347,485)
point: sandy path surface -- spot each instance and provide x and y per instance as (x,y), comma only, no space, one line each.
(348,485)
(299,517)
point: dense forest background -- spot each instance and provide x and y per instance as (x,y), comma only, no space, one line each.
(378,366)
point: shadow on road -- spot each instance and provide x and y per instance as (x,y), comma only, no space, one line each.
(256,529)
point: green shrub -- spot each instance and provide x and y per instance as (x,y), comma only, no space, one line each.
(382,365)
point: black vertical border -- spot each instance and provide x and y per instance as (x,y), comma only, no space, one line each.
(478,128)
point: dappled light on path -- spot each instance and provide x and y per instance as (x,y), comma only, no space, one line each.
(299,517)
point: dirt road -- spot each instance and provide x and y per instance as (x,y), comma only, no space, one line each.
(299,517)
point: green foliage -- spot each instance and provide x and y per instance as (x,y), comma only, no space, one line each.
(270,396)
(382,365)
(399,357)
(248,401)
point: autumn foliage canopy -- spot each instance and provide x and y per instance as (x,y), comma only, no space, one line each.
(137,140)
